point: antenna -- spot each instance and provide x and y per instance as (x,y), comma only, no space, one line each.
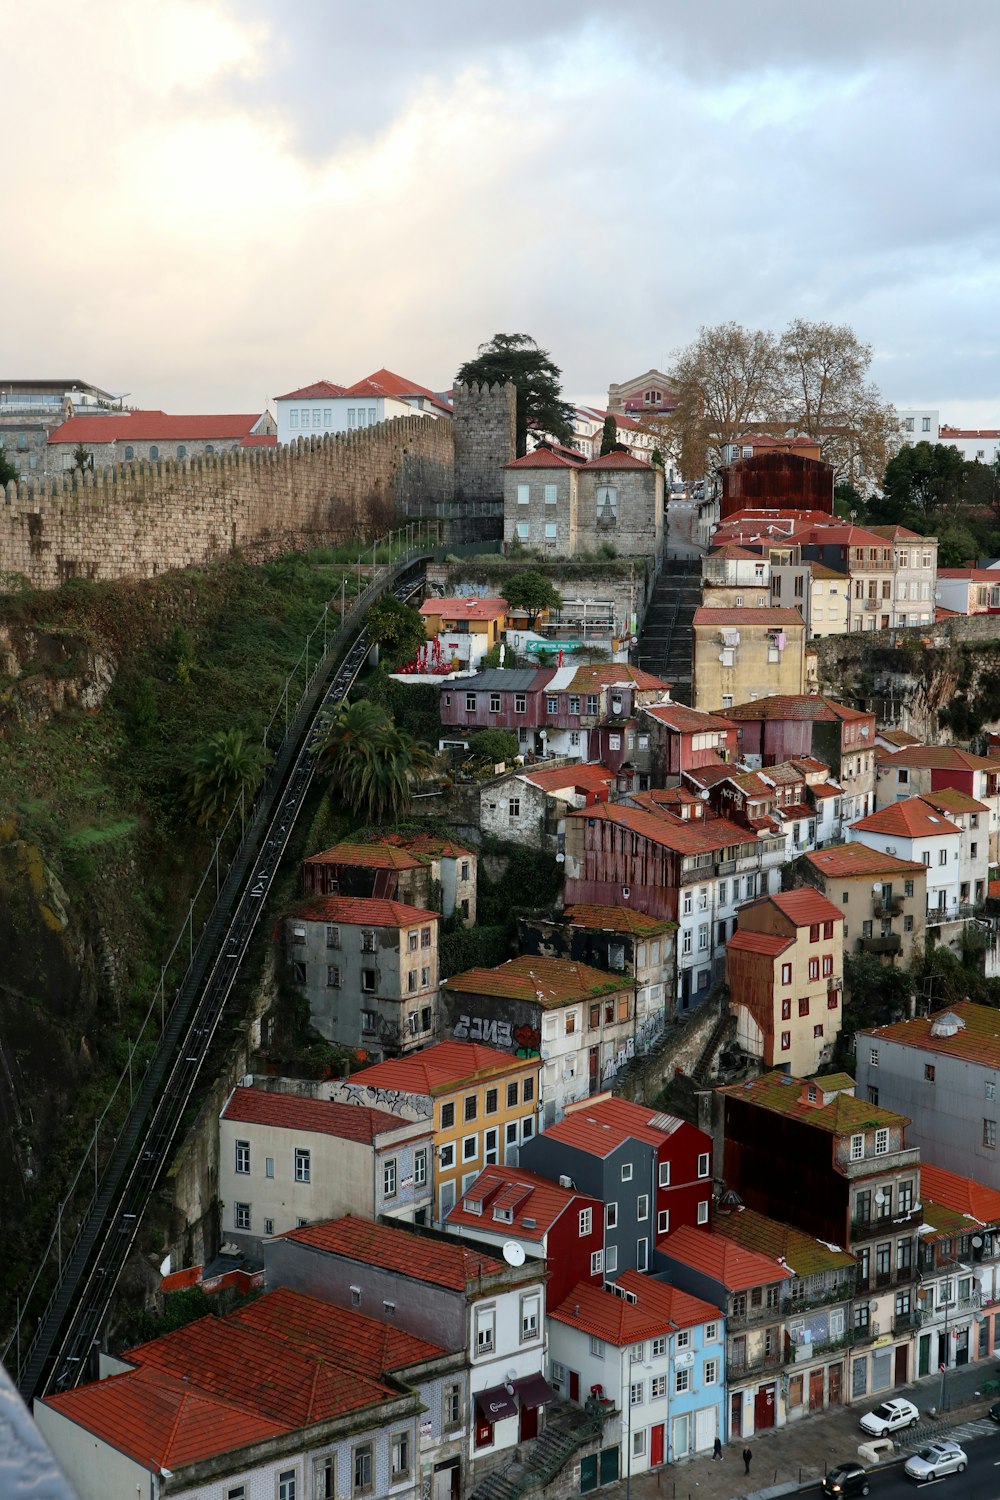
(513,1253)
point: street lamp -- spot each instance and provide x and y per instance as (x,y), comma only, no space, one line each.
(976,1300)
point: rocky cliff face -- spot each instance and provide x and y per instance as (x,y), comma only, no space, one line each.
(48,671)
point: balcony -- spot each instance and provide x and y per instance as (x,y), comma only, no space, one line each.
(874,1166)
(739,1369)
(820,1348)
(883,1281)
(906,1322)
(891,944)
(893,908)
(751,1317)
(842,1292)
(884,1226)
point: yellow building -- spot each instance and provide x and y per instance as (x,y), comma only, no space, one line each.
(883,899)
(743,654)
(482,1103)
(466,628)
(822,594)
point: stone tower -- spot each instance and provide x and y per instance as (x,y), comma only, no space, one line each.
(485,418)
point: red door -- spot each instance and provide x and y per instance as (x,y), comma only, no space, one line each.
(902,1364)
(593,1062)
(528,1426)
(736,1414)
(656,1445)
(763,1407)
(574,1385)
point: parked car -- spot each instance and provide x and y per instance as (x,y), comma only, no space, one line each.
(891,1416)
(994,1411)
(846,1480)
(937,1459)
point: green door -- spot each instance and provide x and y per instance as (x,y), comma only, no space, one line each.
(609,1465)
(924,1355)
(588,1473)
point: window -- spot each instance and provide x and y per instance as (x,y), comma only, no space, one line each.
(657,1387)
(447,1157)
(585,1222)
(470,1147)
(513,808)
(642,1207)
(528,1090)
(990,1134)
(551,531)
(268,1166)
(523,531)
(471,1106)
(447,1116)
(523,494)
(991,1089)
(451,1407)
(592,703)
(551,494)
(642,1254)
(881,1142)
(129,452)
(491,1145)
(333,976)
(636,1392)
(597,1348)
(570,1022)
(362,1469)
(704,1165)
(369,942)
(664,1174)
(703,1211)
(611,1215)
(520,703)
(596,1262)
(711,1332)
(786,973)
(663,1221)
(627,1172)
(286,1484)
(639,1443)
(241,1216)
(389,1178)
(302,1167)
(786,1010)
(857,1147)
(813,974)
(529,1318)
(511,1095)
(242,1156)
(527,1127)
(324,1478)
(682,1381)
(420,1167)
(485,1329)
(786,1041)
(929,1073)
(817,1032)
(873,1058)
(711,1368)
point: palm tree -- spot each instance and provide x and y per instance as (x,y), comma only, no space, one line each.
(369,761)
(224,766)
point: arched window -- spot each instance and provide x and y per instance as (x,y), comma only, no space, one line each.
(209,448)
(154,451)
(129,451)
(181,451)
(652,398)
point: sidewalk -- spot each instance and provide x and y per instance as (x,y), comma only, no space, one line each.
(803,1450)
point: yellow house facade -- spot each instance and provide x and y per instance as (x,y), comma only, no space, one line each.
(743,654)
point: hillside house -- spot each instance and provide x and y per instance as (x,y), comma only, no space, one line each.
(746,653)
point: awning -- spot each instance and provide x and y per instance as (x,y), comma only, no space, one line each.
(534,1391)
(495,1404)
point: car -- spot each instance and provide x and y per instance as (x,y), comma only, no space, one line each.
(994,1411)
(846,1480)
(891,1416)
(937,1459)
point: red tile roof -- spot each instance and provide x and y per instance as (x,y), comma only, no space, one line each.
(350,1122)
(795,706)
(839,534)
(682,835)
(399,1250)
(441,1068)
(617,461)
(368,856)
(600,1126)
(977,1041)
(941,758)
(899,534)
(153,427)
(851,861)
(472,608)
(805,906)
(310,392)
(841,1114)
(544,458)
(427,845)
(540,1201)
(804,1255)
(385,383)
(950,800)
(963,1194)
(911,819)
(616,674)
(161,1422)
(722,1259)
(686,720)
(971,575)
(658,1309)
(733,549)
(361,911)
(616,919)
(260,440)
(766,618)
(338,1335)
(548,982)
(769,945)
(588,777)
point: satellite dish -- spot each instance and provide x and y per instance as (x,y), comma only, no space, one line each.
(880,1197)
(513,1253)
(977,1241)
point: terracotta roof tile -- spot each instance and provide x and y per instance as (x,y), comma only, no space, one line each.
(683,835)
(549,982)
(473,608)
(337,1335)
(804,1255)
(941,758)
(795,706)
(950,800)
(616,919)
(972,1199)
(684,720)
(843,1114)
(367,856)
(386,383)
(768,944)
(541,1202)
(153,427)
(399,1250)
(616,674)
(977,1041)
(311,392)
(721,1258)
(765,618)
(544,458)
(587,776)
(600,1126)
(617,461)
(441,1068)
(349,1122)
(858,861)
(657,1309)
(910,819)
(805,906)
(361,911)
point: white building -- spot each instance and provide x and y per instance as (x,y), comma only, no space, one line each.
(976,444)
(323,407)
(916,831)
(919,424)
(285,1160)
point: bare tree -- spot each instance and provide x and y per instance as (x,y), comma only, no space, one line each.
(829,398)
(726,379)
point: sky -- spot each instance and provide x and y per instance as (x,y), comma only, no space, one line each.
(210,202)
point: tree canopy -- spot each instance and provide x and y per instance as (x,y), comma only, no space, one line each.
(370,762)
(396,628)
(516,357)
(223,767)
(609,434)
(532,592)
(811,379)
(495,744)
(9,473)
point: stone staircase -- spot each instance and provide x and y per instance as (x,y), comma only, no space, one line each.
(536,1464)
(723,1032)
(665,641)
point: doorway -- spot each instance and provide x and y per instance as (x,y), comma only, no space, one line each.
(656,1445)
(816,1390)
(836,1382)
(763,1407)
(527,1427)
(924,1355)
(962,1347)
(574,1385)
(902,1367)
(736,1414)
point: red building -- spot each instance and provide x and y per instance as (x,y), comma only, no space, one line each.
(684,739)
(773,478)
(787,727)
(558,1225)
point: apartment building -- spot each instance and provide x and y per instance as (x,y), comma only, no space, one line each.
(746,653)
(821,593)
(785,973)
(558,502)
(775,730)
(912,770)
(882,898)
(418,869)
(465,629)
(919,834)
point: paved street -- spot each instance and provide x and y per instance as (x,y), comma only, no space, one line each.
(788,1456)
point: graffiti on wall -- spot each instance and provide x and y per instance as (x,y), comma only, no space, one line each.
(523,1041)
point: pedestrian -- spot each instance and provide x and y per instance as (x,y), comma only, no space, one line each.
(717,1450)
(747,1456)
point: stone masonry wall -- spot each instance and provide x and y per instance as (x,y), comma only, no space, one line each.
(485,438)
(141,519)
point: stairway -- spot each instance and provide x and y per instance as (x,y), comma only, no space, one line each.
(665,642)
(723,1031)
(567,1429)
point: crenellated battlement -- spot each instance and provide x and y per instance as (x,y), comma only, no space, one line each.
(485,438)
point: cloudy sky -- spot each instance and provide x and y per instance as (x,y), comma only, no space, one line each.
(207,202)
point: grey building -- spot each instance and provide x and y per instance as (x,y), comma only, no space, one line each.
(369,970)
(943,1072)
